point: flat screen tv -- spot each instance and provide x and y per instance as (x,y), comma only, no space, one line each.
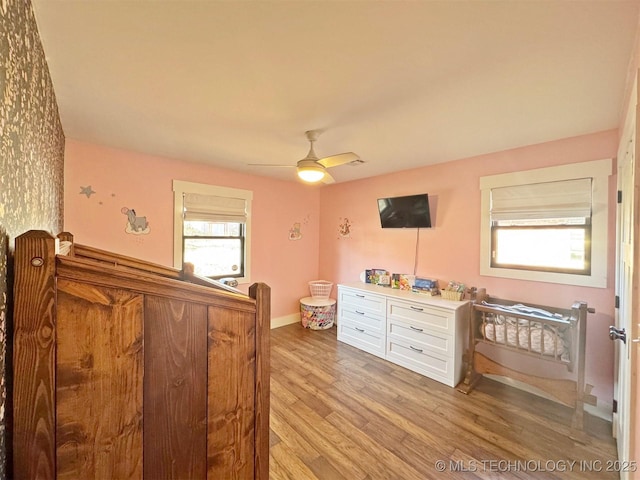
(411,211)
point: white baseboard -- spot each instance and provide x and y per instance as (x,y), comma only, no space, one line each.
(286,320)
(601,410)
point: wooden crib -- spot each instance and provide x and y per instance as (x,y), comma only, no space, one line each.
(124,369)
(553,335)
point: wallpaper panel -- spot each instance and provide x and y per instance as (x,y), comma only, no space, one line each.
(31,172)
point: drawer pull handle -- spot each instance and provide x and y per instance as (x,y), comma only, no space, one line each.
(359,329)
(359,312)
(358,295)
(417,309)
(416,328)
(419,350)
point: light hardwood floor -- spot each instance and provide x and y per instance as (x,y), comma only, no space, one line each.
(340,413)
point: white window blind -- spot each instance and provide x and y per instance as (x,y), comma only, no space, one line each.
(561,199)
(212,208)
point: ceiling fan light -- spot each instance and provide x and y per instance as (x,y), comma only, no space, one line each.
(311,174)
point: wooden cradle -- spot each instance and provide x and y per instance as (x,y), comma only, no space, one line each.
(558,339)
(128,369)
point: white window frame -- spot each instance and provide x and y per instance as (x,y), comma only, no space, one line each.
(599,171)
(179,189)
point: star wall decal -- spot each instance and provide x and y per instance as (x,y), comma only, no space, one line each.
(88,191)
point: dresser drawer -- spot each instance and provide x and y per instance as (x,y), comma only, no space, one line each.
(362,318)
(365,339)
(423,361)
(362,301)
(414,334)
(422,316)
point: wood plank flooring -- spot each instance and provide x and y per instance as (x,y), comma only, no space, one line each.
(340,413)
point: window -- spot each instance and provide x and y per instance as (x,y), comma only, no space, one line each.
(547,225)
(542,226)
(212,229)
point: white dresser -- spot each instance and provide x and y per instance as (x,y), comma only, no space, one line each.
(422,333)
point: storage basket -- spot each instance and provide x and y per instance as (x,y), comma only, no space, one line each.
(320,288)
(452,295)
(317,313)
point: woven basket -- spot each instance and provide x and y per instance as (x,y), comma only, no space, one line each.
(451,295)
(320,288)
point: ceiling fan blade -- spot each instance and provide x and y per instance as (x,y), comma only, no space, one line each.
(328,178)
(340,159)
(269,165)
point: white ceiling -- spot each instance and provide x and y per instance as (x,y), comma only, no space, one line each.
(403,84)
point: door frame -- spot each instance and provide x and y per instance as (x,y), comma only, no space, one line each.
(627,282)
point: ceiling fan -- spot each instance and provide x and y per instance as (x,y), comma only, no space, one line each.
(312,169)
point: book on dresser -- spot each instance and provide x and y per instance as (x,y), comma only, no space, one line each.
(422,333)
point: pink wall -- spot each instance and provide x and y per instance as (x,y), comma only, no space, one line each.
(144,183)
(450,250)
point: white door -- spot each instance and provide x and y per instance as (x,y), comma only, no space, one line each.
(627,270)
(634,316)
